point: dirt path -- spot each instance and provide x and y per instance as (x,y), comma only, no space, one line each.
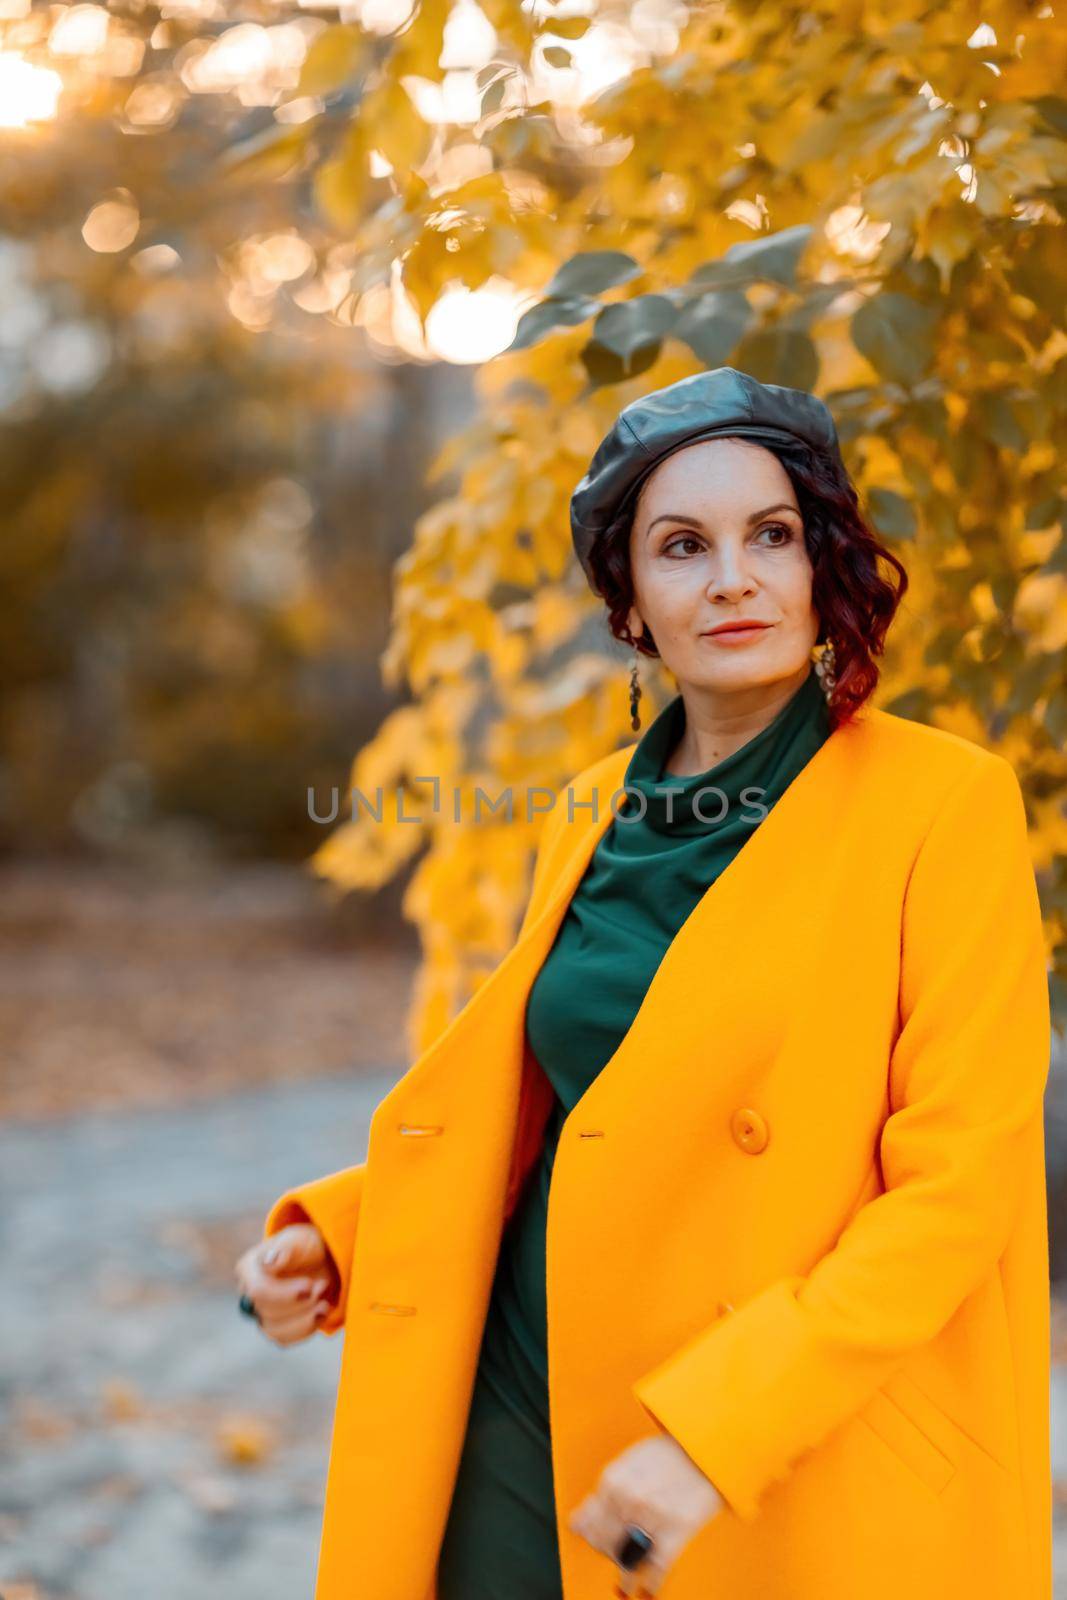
(123,987)
(155,1442)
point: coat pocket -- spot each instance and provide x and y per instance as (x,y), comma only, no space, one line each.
(894,1414)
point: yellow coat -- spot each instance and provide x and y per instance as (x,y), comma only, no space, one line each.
(798,1220)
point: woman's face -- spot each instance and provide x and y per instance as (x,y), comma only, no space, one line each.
(717,537)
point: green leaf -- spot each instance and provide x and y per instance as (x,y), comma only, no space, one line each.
(893,516)
(628,326)
(1054,110)
(1043,513)
(811,308)
(772,258)
(712,324)
(895,334)
(605,366)
(921,274)
(780,356)
(1040,271)
(930,416)
(914,703)
(1056,717)
(593,271)
(997,420)
(1004,589)
(1031,681)
(942,647)
(557,311)
(1057,561)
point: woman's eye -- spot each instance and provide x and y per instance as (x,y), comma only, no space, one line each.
(677,546)
(686,538)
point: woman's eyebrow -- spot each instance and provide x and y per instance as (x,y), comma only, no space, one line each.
(683,516)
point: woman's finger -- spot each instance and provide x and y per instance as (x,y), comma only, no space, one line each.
(299,1247)
(290,1329)
(280,1294)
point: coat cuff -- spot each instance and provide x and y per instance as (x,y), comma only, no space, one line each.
(730,1396)
(330,1204)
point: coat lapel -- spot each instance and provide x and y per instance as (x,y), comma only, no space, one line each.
(723,944)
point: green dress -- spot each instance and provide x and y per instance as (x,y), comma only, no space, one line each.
(644,878)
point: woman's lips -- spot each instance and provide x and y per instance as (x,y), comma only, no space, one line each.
(738,635)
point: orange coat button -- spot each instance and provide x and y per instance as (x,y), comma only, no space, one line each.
(749,1130)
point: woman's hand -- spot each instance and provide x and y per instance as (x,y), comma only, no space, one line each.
(655,1484)
(292,1281)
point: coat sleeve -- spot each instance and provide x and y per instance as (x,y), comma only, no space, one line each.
(332,1203)
(767,1382)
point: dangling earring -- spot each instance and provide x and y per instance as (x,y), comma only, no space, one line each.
(635,692)
(824,668)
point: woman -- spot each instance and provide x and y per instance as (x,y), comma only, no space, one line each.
(732,1171)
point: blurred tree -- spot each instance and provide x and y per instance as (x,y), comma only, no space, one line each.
(197,525)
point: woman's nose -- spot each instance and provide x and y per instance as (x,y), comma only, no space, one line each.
(731,579)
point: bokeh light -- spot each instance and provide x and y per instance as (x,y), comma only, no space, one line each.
(472,325)
(28,93)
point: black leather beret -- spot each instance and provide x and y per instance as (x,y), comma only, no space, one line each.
(717,402)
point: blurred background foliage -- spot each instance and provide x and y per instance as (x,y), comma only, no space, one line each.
(205,480)
(246,237)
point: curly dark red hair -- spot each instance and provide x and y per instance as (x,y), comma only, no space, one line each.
(854,600)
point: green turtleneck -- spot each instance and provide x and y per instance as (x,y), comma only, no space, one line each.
(666,845)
